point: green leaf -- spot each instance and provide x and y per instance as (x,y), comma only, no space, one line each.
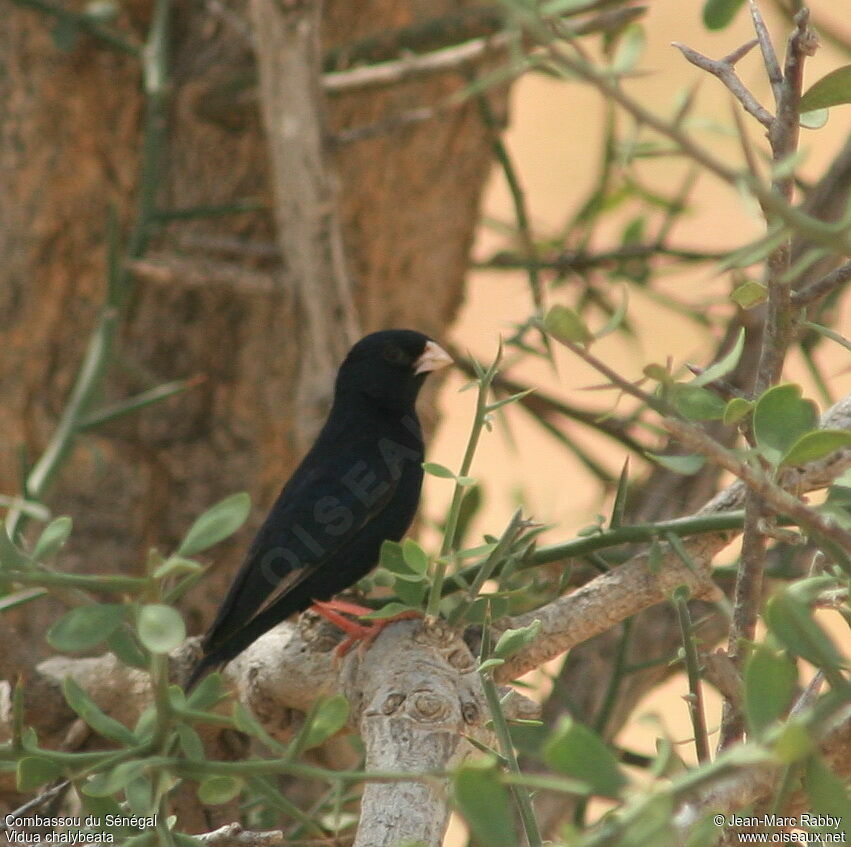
(815,119)
(484,803)
(190,742)
(55,534)
(793,743)
(770,682)
(828,795)
(724,365)
(617,316)
(176,565)
(490,663)
(91,713)
(792,623)
(10,555)
(830,90)
(658,372)
(686,465)
(749,294)
(440,471)
(815,445)
(619,505)
(329,718)
(207,693)
(415,557)
(718,14)
(696,404)
(736,410)
(513,640)
(126,648)
(216,524)
(578,752)
(780,418)
(564,324)
(34,771)
(86,626)
(389,610)
(411,592)
(140,795)
(216,790)
(160,628)
(629,50)
(117,779)
(512,398)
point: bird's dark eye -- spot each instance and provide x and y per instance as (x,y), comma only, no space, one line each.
(396,355)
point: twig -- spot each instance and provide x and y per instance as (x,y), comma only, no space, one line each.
(177,271)
(692,664)
(395,122)
(457,26)
(822,287)
(724,70)
(393,72)
(769,57)
(582,260)
(233,835)
(746,602)
(518,199)
(8,820)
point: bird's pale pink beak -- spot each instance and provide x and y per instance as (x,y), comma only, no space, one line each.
(433,358)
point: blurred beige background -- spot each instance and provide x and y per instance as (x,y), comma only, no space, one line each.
(554,138)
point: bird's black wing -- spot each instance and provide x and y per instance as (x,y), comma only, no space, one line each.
(319,512)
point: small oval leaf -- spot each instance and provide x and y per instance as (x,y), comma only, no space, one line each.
(55,534)
(215,790)
(686,465)
(770,682)
(160,628)
(781,417)
(695,403)
(565,324)
(513,640)
(815,445)
(749,294)
(578,752)
(484,803)
(328,720)
(830,90)
(86,626)
(216,524)
(91,713)
(718,14)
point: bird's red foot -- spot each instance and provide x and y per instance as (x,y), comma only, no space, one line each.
(366,633)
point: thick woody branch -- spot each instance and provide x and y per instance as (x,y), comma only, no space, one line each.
(286,39)
(612,597)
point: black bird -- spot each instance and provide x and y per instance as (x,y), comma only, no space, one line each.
(357,486)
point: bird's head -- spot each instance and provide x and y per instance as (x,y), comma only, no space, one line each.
(390,366)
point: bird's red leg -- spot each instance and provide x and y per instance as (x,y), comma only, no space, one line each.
(340,606)
(365,633)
